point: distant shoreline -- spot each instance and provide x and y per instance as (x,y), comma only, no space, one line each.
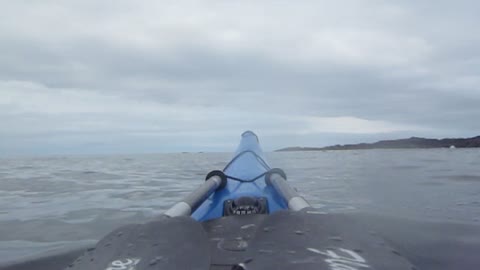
(410,143)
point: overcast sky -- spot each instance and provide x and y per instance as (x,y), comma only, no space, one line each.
(161,76)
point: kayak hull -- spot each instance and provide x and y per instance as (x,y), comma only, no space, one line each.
(245,178)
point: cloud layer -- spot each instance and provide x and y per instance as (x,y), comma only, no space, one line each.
(120,76)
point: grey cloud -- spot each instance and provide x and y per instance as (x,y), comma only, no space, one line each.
(235,66)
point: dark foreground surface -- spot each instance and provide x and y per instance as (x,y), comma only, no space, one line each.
(310,239)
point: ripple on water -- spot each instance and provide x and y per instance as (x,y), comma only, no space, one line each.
(407,167)
(88,175)
(461,177)
(431,183)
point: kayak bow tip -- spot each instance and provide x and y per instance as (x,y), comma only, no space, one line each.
(249,133)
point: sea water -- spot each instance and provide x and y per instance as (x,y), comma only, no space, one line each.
(58,202)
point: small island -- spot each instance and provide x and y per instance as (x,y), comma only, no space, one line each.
(410,143)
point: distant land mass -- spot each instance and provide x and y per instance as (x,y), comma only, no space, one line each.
(413,142)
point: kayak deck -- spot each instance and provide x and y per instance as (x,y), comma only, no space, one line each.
(428,245)
(306,239)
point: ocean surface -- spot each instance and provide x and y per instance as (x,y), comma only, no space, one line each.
(49,204)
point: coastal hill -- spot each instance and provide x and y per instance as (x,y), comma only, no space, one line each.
(413,142)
